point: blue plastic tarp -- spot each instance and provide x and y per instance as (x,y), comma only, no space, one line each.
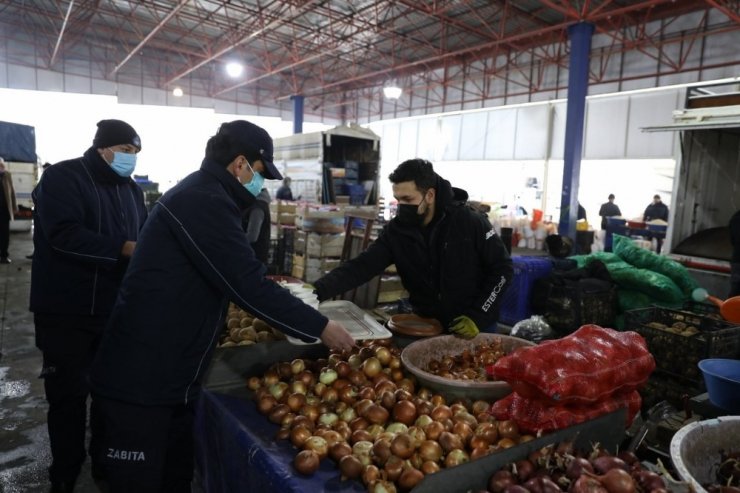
(17,142)
(236,450)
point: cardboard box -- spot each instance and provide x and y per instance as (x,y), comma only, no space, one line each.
(332,245)
(285,206)
(299,260)
(297,271)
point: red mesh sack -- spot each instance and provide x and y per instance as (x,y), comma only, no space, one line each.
(587,366)
(533,416)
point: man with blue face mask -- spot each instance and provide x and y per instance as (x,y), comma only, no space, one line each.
(192,259)
(87,216)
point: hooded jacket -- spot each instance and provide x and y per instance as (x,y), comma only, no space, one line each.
(84,212)
(462,270)
(192,258)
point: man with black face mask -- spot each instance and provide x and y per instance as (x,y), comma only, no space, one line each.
(453,264)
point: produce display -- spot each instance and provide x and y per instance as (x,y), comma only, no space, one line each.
(361,410)
(469,365)
(728,474)
(559,468)
(244,329)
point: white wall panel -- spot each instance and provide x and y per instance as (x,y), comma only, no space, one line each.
(450,136)
(501,134)
(104,87)
(21,77)
(473,136)
(557,140)
(389,144)
(128,94)
(3,74)
(531,132)
(50,81)
(428,145)
(77,83)
(648,109)
(408,140)
(156,97)
(604,128)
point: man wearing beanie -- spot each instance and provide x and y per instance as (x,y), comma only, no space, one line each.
(192,259)
(87,216)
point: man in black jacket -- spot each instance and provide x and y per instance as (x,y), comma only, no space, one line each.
(192,258)
(608,209)
(450,259)
(656,210)
(735,260)
(87,216)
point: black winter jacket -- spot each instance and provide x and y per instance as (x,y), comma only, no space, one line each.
(656,211)
(84,213)
(191,259)
(463,271)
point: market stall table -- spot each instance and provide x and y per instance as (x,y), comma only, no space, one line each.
(236,450)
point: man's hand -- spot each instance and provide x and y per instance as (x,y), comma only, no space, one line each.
(128,248)
(335,336)
(464,327)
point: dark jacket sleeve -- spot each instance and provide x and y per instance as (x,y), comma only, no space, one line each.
(61,210)
(214,240)
(357,271)
(497,270)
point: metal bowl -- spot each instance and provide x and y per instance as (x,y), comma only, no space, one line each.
(417,355)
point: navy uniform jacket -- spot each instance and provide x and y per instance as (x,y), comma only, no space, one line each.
(192,258)
(83,214)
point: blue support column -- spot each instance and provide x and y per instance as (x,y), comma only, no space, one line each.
(580,48)
(297,114)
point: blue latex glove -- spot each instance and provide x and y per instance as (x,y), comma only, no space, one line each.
(464,327)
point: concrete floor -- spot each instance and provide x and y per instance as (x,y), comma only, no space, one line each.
(24,442)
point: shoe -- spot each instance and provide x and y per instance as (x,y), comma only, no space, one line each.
(62,486)
(4,260)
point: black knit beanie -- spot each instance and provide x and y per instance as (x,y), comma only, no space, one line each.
(115,132)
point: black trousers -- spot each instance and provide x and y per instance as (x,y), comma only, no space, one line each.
(4,234)
(144,449)
(68,345)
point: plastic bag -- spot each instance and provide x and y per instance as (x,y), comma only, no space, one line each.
(645,259)
(533,329)
(587,366)
(533,416)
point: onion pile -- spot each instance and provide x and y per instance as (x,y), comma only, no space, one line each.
(366,414)
(560,469)
(728,474)
(469,365)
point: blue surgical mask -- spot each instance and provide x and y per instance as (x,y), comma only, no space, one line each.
(255,185)
(123,163)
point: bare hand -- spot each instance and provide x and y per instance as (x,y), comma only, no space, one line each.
(335,336)
(128,248)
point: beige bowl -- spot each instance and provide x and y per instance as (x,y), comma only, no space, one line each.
(417,355)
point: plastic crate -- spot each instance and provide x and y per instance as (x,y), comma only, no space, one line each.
(516,302)
(677,347)
(663,386)
(708,309)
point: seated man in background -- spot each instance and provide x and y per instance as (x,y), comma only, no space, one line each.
(451,261)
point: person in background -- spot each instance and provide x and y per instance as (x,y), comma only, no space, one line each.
(257,225)
(8,208)
(581,212)
(284,192)
(192,259)
(87,216)
(735,260)
(450,259)
(608,209)
(656,210)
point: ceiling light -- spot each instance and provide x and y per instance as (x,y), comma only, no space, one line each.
(177,92)
(234,69)
(392,91)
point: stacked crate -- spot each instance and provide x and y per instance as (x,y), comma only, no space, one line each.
(678,340)
(282,233)
(318,241)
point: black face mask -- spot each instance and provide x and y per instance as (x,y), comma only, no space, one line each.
(408,215)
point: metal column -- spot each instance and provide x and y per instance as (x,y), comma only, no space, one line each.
(580,48)
(297,114)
